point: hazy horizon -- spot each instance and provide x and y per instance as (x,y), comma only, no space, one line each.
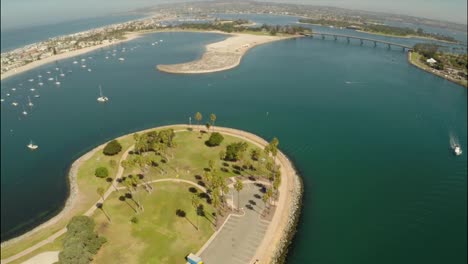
(27,13)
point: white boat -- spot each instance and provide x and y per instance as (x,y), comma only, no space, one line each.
(56,81)
(31,146)
(14,104)
(30,103)
(48,72)
(83,66)
(69,71)
(89,70)
(57,68)
(102,98)
(457,150)
(31,80)
(121,59)
(32,89)
(83,59)
(39,76)
(107,57)
(7,94)
(13,89)
(37,96)
(61,73)
(24,112)
(2,100)
(41,83)
(75,62)
(160,40)
(50,79)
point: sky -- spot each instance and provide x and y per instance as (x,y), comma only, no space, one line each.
(25,13)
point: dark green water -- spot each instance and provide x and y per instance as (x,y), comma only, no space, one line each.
(368,132)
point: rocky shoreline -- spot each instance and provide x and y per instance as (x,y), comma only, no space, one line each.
(281,253)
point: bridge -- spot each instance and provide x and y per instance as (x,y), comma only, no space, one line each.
(361,39)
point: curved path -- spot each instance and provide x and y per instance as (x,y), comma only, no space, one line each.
(273,235)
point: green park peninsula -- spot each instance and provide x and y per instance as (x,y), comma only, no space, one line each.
(163,193)
(378,29)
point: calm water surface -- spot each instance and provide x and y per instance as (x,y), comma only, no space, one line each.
(368,132)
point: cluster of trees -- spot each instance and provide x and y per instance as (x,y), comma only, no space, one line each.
(383,29)
(81,242)
(235,27)
(154,141)
(199,117)
(112,148)
(101,172)
(234,151)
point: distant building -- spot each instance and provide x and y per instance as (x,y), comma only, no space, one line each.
(431,61)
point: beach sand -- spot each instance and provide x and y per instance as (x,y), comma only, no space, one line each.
(66,55)
(222,55)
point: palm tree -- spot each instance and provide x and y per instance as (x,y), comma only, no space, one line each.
(198,117)
(196,203)
(238,186)
(215,199)
(265,199)
(213,120)
(101,191)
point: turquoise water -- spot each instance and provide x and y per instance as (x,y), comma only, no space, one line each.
(368,132)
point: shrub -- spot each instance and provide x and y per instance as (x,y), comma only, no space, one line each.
(112,148)
(134,220)
(80,243)
(215,139)
(101,172)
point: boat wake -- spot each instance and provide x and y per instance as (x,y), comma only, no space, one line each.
(454,144)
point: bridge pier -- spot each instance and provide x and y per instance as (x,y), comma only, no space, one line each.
(362,42)
(403,49)
(323,36)
(347,38)
(375,43)
(335,37)
(388,46)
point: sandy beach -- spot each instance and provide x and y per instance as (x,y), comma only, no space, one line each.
(222,55)
(34,64)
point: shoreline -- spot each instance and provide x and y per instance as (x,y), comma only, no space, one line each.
(222,55)
(276,239)
(66,55)
(428,70)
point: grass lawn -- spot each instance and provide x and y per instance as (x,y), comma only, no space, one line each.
(190,158)
(160,236)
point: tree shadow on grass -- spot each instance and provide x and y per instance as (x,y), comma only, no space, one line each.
(124,199)
(101,207)
(181,213)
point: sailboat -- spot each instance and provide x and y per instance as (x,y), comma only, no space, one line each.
(61,73)
(30,103)
(101,98)
(56,81)
(121,59)
(14,104)
(50,79)
(31,146)
(32,89)
(40,83)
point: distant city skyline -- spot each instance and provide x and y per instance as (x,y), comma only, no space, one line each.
(26,13)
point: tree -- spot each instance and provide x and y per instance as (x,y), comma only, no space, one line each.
(238,185)
(233,150)
(100,191)
(213,120)
(198,117)
(196,203)
(215,139)
(101,172)
(265,200)
(207,125)
(112,148)
(222,154)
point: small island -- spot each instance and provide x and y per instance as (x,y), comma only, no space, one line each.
(166,192)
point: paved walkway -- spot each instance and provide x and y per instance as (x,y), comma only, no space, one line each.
(238,239)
